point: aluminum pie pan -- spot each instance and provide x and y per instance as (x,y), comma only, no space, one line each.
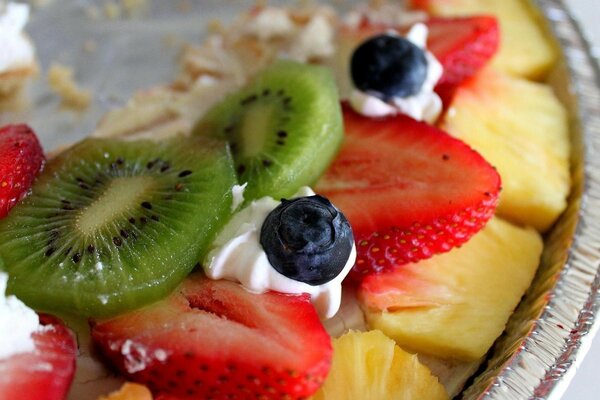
(552,328)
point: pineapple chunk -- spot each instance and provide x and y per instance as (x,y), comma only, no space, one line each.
(525,49)
(521,128)
(129,391)
(370,366)
(456,304)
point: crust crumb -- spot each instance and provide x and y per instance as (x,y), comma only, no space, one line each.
(215,26)
(112,10)
(377,4)
(134,8)
(117,9)
(13,81)
(60,79)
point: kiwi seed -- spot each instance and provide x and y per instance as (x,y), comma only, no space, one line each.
(110,225)
(284,128)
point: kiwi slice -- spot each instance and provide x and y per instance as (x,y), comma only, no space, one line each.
(113,225)
(284,128)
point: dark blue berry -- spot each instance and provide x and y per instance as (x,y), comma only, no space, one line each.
(307,239)
(389,66)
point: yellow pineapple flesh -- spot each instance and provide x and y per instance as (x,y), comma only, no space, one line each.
(370,366)
(456,304)
(129,391)
(522,129)
(525,47)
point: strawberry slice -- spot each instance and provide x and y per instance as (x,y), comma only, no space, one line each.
(463,46)
(21,159)
(408,189)
(214,339)
(45,373)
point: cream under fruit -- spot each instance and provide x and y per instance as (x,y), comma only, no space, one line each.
(18,323)
(16,51)
(388,14)
(425,105)
(238,255)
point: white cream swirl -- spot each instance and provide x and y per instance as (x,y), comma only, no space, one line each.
(237,255)
(17,323)
(16,51)
(423,106)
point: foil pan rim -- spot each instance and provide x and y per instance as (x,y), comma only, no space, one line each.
(541,365)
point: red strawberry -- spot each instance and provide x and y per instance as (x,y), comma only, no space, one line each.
(462,45)
(408,189)
(214,339)
(47,372)
(419,4)
(21,159)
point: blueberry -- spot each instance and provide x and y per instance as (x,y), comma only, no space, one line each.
(389,66)
(307,239)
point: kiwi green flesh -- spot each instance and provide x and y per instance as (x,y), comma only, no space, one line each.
(111,226)
(284,128)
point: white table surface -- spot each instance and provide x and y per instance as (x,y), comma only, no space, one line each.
(586,385)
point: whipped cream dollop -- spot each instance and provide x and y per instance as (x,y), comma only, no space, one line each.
(237,195)
(17,323)
(303,42)
(314,41)
(237,255)
(423,106)
(269,23)
(389,14)
(16,51)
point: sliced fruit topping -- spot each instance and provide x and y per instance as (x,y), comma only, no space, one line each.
(389,66)
(284,128)
(129,391)
(462,45)
(44,373)
(307,239)
(370,366)
(214,339)
(455,305)
(408,189)
(113,225)
(21,159)
(526,49)
(522,128)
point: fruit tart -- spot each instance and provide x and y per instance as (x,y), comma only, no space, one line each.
(321,205)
